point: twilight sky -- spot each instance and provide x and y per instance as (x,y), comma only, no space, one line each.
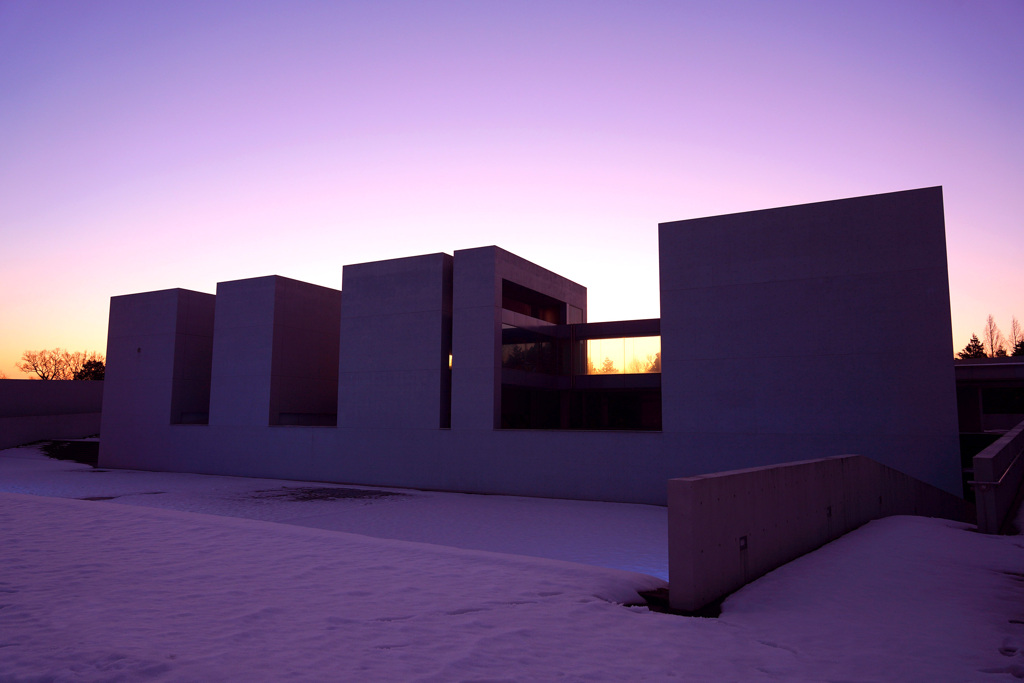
(149,145)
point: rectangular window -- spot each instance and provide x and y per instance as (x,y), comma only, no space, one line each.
(622,356)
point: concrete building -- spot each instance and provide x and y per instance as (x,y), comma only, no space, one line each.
(786,334)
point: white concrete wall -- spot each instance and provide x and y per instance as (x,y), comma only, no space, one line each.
(729,528)
(803,331)
(31,410)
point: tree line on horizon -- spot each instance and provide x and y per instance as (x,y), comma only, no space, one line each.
(60,363)
(993,344)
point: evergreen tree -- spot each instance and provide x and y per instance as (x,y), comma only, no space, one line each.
(92,369)
(974,349)
(1018,350)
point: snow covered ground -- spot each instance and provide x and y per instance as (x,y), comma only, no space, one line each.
(135,589)
(614,535)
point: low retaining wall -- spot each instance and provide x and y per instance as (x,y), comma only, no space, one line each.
(729,528)
(31,410)
(998,473)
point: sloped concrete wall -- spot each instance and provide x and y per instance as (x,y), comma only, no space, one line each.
(998,474)
(729,528)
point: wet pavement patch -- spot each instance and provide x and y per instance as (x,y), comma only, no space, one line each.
(322,493)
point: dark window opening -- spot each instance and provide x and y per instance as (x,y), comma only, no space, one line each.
(1002,401)
(526,301)
(612,409)
(534,351)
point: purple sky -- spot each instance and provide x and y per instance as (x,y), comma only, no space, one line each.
(150,145)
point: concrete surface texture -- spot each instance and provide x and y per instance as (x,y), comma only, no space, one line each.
(792,330)
(786,334)
(31,410)
(396,334)
(729,528)
(998,473)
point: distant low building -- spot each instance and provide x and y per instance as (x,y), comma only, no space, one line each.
(990,394)
(785,334)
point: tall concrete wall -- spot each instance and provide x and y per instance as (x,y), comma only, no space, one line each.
(159,347)
(158,357)
(275,353)
(729,528)
(396,335)
(53,409)
(803,331)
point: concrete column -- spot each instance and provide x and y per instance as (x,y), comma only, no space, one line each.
(476,340)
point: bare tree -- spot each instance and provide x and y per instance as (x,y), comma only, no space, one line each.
(992,337)
(1016,333)
(56,363)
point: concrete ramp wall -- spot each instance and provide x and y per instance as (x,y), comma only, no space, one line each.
(729,528)
(31,410)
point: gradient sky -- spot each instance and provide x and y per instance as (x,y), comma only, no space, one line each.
(149,145)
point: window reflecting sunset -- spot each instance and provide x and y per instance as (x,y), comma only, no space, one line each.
(623,356)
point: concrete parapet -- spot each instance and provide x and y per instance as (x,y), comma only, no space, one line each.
(55,409)
(729,528)
(998,474)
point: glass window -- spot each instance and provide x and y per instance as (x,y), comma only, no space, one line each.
(527,350)
(623,356)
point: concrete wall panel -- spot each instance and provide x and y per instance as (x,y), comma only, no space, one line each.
(243,347)
(275,352)
(17,431)
(31,410)
(729,528)
(395,341)
(825,319)
(21,397)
